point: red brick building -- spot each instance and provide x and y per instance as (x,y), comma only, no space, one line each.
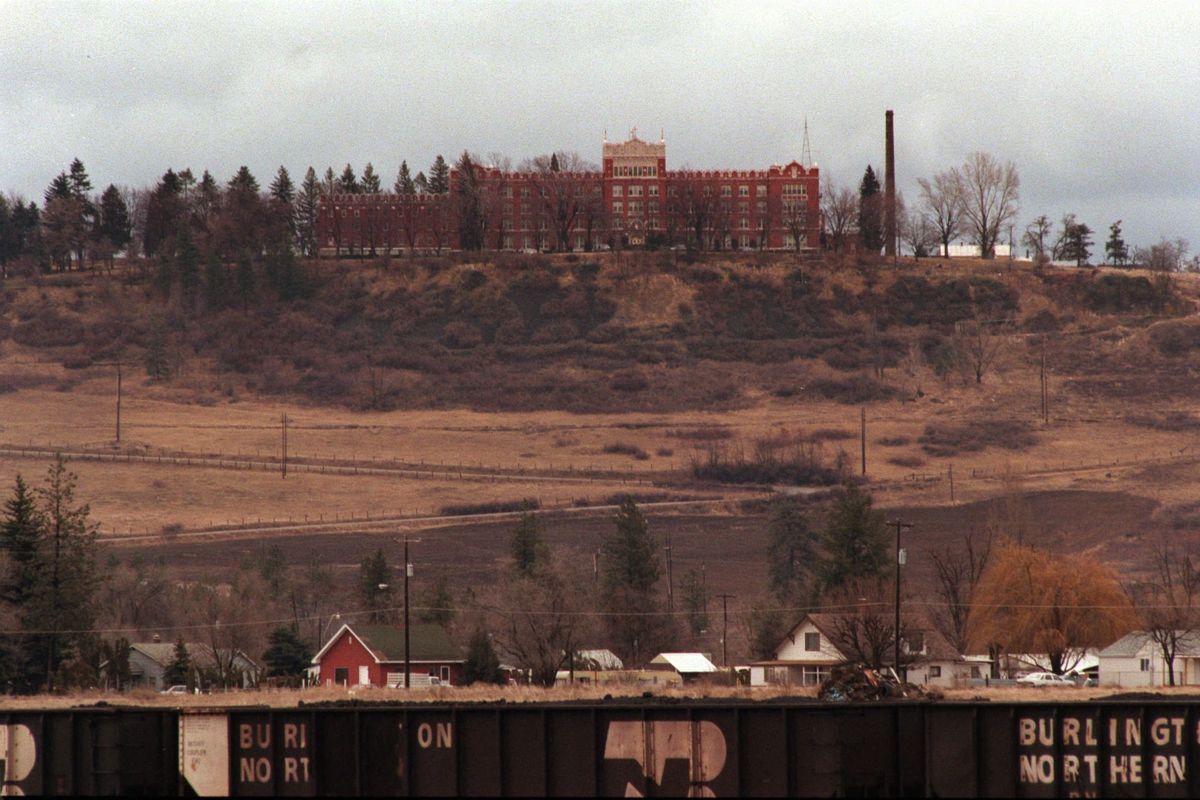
(632,201)
(362,655)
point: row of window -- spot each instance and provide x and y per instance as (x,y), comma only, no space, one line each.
(635,172)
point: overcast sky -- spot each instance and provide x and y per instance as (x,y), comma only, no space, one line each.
(1097,104)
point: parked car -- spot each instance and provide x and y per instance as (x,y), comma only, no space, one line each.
(178,688)
(1045,679)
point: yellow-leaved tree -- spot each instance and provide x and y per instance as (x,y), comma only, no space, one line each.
(1033,601)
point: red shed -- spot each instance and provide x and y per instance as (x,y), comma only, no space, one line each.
(362,655)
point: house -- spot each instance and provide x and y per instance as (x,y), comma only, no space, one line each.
(689,666)
(373,655)
(149,662)
(805,656)
(1137,660)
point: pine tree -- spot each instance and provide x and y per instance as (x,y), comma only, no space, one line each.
(482,664)
(187,264)
(330,184)
(348,183)
(180,671)
(245,280)
(307,206)
(282,189)
(854,541)
(471,222)
(115,225)
(1115,248)
(370,180)
(421,183)
(528,547)
(216,282)
(60,187)
(404,182)
(870,212)
(208,197)
(554,162)
(61,603)
(8,235)
(631,568)
(158,366)
(20,533)
(439,176)
(437,604)
(790,551)
(375,585)
(286,655)
(695,601)
(81,185)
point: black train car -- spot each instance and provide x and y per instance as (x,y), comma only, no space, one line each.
(89,751)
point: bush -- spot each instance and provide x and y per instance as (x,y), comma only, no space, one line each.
(770,465)
(1124,293)
(459,335)
(701,434)
(910,462)
(950,438)
(1171,421)
(629,381)
(893,441)
(495,507)
(1175,337)
(855,389)
(624,448)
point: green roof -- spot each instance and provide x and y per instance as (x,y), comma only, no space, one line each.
(429,642)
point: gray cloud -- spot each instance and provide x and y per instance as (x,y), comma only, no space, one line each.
(1093,102)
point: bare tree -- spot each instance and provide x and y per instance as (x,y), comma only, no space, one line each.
(942,205)
(1037,238)
(559,181)
(1169,602)
(977,346)
(958,571)
(988,190)
(865,631)
(839,204)
(915,229)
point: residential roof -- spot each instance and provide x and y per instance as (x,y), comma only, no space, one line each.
(386,642)
(685,663)
(602,658)
(163,653)
(1131,644)
(937,648)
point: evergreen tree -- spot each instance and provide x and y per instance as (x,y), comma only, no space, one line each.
(216,282)
(421,184)
(59,187)
(631,568)
(61,601)
(81,185)
(158,366)
(404,182)
(375,585)
(854,541)
(307,206)
(695,601)
(286,655)
(243,182)
(1075,241)
(790,551)
(180,671)
(331,185)
(245,280)
(870,212)
(282,189)
(348,183)
(439,176)
(115,224)
(437,604)
(554,162)
(482,664)
(164,211)
(187,264)
(20,534)
(208,198)
(1115,247)
(370,180)
(471,222)
(8,235)
(528,547)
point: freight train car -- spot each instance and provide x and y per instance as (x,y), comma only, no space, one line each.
(1115,748)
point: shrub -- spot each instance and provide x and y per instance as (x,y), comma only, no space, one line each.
(624,448)
(798,465)
(855,389)
(950,438)
(460,335)
(1171,421)
(1175,337)
(629,381)
(893,441)
(1124,293)
(911,462)
(701,434)
(494,507)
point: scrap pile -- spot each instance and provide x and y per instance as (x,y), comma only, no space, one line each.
(858,683)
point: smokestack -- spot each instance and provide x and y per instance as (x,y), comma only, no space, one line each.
(889,190)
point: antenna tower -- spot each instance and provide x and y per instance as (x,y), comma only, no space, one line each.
(806,150)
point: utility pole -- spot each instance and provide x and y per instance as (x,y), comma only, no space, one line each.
(283,460)
(670,583)
(725,596)
(900,559)
(951,473)
(407,655)
(862,427)
(1045,405)
(118,402)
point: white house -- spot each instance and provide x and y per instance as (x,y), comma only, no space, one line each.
(807,653)
(1137,660)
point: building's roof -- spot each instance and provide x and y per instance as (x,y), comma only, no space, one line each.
(685,663)
(603,659)
(937,648)
(163,653)
(386,642)
(1129,645)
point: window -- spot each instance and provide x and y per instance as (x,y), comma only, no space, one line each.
(812,642)
(524,191)
(761,205)
(445,673)
(618,209)
(618,190)
(743,208)
(743,191)
(761,190)
(635,191)
(813,676)
(915,642)
(635,207)
(1145,665)
(341,676)
(508,191)
(935,671)
(653,191)
(364,675)
(726,191)
(795,190)
(652,206)
(670,191)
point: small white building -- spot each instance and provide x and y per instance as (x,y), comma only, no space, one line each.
(1137,660)
(963,250)
(689,666)
(807,654)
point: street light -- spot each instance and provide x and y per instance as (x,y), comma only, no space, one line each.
(900,559)
(408,571)
(325,627)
